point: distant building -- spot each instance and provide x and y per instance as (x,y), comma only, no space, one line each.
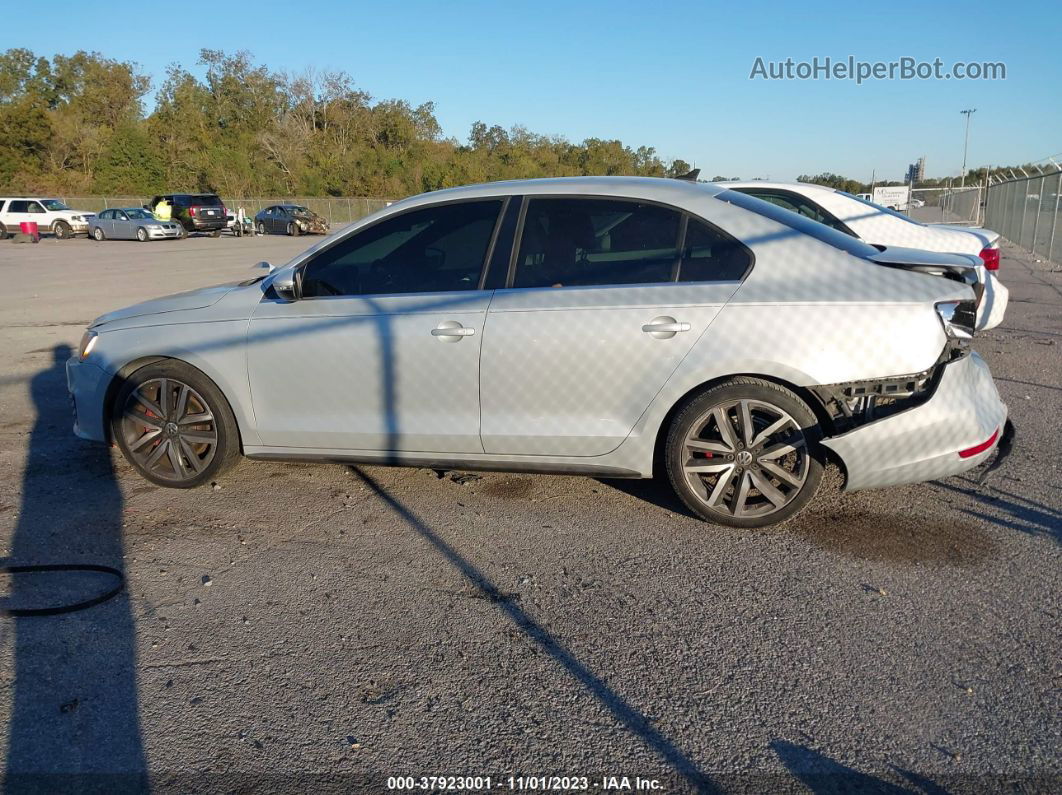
(916,172)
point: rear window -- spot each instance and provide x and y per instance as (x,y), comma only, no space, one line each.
(197,200)
(801,224)
(879,208)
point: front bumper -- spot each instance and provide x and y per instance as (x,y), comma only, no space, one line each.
(923,443)
(168,230)
(87,385)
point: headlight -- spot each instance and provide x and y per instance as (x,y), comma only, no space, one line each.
(88,342)
(302,224)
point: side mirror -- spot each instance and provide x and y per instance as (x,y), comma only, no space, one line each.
(287,286)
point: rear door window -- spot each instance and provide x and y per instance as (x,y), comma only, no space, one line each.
(569,242)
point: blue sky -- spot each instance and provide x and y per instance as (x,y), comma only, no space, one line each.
(670,75)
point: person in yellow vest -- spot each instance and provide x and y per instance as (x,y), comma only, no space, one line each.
(162,210)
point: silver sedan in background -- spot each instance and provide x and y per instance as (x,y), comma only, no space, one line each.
(131,223)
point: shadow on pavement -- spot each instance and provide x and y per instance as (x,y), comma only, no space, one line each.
(74,723)
(822,775)
(1020,513)
(624,713)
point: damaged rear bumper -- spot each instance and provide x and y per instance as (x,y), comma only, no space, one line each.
(955,430)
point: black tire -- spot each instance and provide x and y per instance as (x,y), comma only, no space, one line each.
(97,235)
(3,232)
(135,427)
(141,234)
(181,231)
(766,402)
(261,228)
(62,230)
(293,230)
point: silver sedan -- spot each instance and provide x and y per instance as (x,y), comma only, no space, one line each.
(131,223)
(607,326)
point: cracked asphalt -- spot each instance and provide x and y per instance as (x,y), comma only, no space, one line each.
(315,626)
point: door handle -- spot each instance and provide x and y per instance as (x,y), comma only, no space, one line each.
(664,327)
(451,331)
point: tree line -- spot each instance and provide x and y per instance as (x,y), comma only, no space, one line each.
(78,124)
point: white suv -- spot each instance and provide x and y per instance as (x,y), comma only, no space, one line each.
(51,216)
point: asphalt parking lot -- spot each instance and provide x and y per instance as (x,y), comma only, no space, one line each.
(358,623)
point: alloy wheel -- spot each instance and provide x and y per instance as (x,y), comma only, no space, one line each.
(745,458)
(169,429)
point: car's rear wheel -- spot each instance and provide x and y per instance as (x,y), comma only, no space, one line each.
(745,453)
(62,230)
(97,234)
(174,425)
(141,234)
(261,228)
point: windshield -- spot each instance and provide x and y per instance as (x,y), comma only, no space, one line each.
(53,204)
(299,210)
(879,208)
(800,223)
(138,214)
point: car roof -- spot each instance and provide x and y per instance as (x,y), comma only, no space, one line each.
(659,189)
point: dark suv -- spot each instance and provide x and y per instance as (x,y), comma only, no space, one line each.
(196,212)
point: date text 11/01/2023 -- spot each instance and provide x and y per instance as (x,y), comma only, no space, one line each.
(524,783)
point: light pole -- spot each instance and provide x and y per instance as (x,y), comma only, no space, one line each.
(966,144)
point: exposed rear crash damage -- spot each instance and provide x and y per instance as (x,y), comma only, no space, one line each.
(925,442)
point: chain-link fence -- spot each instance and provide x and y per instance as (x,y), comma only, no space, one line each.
(946,205)
(338,210)
(1026,212)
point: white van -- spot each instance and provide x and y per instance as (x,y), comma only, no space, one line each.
(51,215)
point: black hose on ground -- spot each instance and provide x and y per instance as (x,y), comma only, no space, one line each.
(20,612)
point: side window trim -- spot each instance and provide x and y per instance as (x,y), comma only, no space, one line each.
(303,266)
(518,239)
(498,237)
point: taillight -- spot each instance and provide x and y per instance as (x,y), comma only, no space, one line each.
(991,258)
(191,211)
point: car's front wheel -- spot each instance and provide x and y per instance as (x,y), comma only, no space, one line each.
(745,453)
(141,234)
(174,425)
(62,230)
(294,230)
